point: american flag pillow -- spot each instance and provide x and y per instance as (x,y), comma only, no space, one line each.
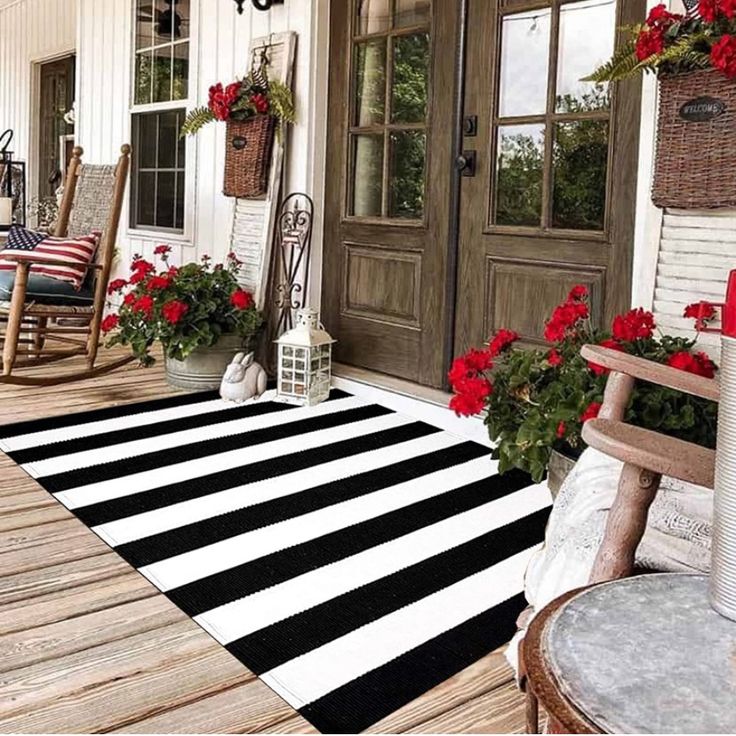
(72,255)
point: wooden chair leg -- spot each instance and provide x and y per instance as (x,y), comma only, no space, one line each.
(15,318)
(627,520)
(39,338)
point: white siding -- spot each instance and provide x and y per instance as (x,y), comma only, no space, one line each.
(30,31)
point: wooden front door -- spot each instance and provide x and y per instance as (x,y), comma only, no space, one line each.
(388,184)
(552,202)
(56,97)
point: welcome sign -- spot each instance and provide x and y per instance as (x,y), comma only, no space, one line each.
(702,109)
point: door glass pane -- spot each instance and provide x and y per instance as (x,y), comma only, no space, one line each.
(143,78)
(367,167)
(406,195)
(524,62)
(180,71)
(374,16)
(370,82)
(143,24)
(519,175)
(165,199)
(580,161)
(586,41)
(410,78)
(411,13)
(162,74)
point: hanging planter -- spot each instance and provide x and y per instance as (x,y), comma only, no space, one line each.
(694,57)
(255,109)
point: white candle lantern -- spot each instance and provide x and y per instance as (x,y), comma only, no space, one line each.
(305,361)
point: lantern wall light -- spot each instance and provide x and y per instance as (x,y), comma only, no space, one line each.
(258,4)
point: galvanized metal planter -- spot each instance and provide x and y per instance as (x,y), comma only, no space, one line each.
(203,369)
(560,466)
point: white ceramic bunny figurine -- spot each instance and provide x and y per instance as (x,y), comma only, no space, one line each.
(244,379)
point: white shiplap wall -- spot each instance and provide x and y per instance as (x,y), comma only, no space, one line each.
(31,31)
(220,54)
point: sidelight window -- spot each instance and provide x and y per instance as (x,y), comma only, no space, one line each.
(388,115)
(551,130)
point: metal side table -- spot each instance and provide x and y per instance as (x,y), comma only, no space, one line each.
(645,654)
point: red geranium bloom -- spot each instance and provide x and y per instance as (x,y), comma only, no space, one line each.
(471,396)
(561,429)
(158,282)
(144,305)
(599,370)
(727,7)
(241,299)
(503,339)
(116,285)
(260,102)
(564,317)
(699,363)
(173,270)
(649,43)
(723,55)
(110,322)
(162,250)
(708,10)
(478,361)
(591,412)
(234,259)
(634,325)
(700,310)
(577,293)
(659,16)
(174,310)
(554,358)
(140,268)
(129,298)
(221,100)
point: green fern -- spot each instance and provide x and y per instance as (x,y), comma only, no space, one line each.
(623,64)
(196,119)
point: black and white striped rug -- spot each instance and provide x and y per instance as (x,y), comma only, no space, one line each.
(351,556)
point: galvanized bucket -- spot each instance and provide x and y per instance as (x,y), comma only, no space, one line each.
(204,368)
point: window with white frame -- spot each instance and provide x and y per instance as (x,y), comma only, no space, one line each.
(159,102)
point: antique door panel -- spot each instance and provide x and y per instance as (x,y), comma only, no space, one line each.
(388,178)
(552,202)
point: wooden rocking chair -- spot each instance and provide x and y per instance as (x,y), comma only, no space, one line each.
(646,455)
(36,329)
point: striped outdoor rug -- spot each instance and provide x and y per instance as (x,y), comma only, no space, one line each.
(350,556)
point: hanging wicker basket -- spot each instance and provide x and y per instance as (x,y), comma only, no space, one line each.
(695,163)
(248,156)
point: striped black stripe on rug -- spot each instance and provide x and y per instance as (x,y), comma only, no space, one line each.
(350,556)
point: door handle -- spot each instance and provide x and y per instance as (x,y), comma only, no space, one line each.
(465,163)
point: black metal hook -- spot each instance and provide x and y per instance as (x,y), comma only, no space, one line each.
(5,143)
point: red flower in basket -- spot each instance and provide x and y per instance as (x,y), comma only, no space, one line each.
(649,43)
(174,310)
(221,100)
(260,102)
(241,299)
(723,55)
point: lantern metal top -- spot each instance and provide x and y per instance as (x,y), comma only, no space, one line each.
(308,331)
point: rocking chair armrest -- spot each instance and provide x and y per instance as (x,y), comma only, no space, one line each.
(41,260)
(652,451)
(647,370)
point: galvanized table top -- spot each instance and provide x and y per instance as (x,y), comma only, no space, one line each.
(647,655)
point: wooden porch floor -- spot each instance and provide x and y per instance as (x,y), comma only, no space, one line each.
(89,645)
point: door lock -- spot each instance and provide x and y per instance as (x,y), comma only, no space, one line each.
(465,163)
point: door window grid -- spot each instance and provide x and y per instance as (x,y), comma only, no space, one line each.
(387,131)
(538,143)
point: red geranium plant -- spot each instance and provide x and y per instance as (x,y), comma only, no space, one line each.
(537,400)
(184,308)
(670,43)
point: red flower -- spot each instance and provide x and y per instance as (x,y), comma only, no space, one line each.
(234,259)
(649,43)
(708,10)
(636,324)
(659,16)
(140,268)
(241,299)
(162,250)
(158,282)
(564,317)
(260,102)
(554,358)
(599,370)
(116,285)
(174,310)
(700,310)
(129,298)
(723,55)
(478,361)
(145,306)
(173,270)
(699,363)
(727,7)
(471,395)
(502,340)
(578,293)
(110,322)
(561,429)
(591,412)
(221,100)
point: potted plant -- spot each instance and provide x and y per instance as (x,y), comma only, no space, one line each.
(253,108)
(536,401)
(694,57)
(197,312)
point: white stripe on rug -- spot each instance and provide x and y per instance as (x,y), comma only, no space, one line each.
(266,607)
(164,519)
(150,479)
(346,658)
(190,566)
(87,458)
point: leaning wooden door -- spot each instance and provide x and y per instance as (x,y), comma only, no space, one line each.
(388,184)
(553,197)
